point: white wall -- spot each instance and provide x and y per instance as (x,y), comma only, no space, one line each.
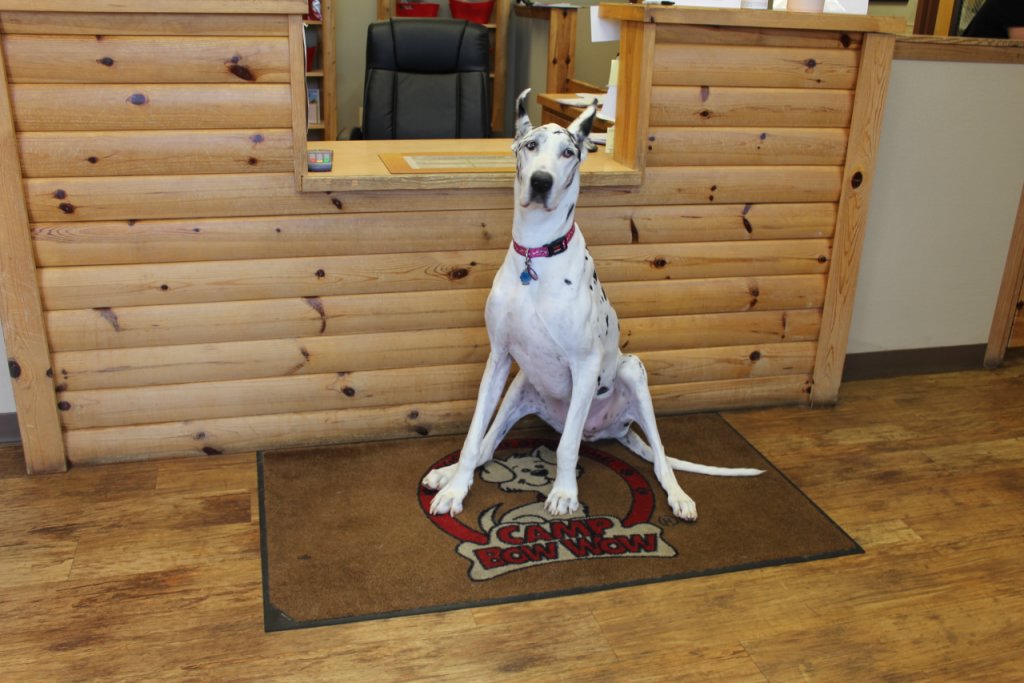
(352,17)
(6,392)
(945,195)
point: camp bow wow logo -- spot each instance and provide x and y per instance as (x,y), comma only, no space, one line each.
(527,536)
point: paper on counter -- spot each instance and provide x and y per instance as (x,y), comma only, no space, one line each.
(721,4)
(581,99)
(602,30)
(834,6)
(607,112)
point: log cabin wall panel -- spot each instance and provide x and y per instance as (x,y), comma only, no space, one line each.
(416,383)
(145,59)
(747,146)
(137,326)
(702,105)
(158,106)
(259,237)
(155,152)
(184,196)
(135,24)
(198,282)
(205,437)
(741,65)
(139,367)
(184,363)
(201,305)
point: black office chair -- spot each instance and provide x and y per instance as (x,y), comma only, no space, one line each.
(425,79)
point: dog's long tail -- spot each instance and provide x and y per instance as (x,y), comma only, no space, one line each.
(633,442)
(697,468)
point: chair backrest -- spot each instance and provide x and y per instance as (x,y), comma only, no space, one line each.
(425,79)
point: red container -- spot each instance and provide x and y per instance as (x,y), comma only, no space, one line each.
(477,12)
(417,9)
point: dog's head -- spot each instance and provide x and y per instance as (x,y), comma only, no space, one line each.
(548,158)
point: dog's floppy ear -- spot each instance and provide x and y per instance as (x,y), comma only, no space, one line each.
(580,128)
(523,125)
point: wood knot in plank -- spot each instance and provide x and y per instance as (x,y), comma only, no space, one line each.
(110,316)
(318,305)
(241,72)
(13,368)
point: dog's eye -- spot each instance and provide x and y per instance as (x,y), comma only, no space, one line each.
(531,145)
(568,153)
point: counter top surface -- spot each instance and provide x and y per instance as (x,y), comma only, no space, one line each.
(752,18)
(358,166)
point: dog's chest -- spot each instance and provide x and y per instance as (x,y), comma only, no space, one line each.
(553,322)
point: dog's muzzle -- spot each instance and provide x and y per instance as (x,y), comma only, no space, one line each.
(540,185)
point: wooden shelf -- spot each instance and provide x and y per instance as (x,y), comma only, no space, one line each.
(324,73)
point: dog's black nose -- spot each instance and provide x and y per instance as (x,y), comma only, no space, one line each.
(541,181)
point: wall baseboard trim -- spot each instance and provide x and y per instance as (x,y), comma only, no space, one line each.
(9,428)
(883,364)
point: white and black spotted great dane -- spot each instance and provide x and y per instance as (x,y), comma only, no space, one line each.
(548,312)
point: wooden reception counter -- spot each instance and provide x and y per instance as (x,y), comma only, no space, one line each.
(175,284)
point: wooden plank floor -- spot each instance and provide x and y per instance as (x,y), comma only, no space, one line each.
(151,571)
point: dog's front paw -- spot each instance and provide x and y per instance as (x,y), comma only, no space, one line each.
(448,501)
(682,506)
(562,501)
(438,478)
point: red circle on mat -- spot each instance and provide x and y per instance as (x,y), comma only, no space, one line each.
(640,510)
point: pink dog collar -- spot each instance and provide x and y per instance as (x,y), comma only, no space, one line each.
(549,249)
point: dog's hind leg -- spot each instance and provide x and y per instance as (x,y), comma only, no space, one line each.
(633,376)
